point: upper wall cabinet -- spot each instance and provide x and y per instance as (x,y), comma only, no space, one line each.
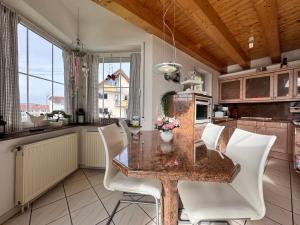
(230,90)
(258,88)
(282,85)
(296,83)
(283,88)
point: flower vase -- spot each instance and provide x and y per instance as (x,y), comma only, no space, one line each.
(166,136)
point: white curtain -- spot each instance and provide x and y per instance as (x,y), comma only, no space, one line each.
(92,88)
(134,90)
(9,79)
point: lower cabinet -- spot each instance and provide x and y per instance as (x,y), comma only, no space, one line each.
(227,132)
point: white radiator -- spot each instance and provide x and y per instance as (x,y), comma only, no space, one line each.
(93,153)
(42,164)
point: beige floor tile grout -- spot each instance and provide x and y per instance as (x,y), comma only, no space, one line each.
(68,204)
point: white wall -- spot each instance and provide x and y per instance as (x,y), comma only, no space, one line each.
(156,85)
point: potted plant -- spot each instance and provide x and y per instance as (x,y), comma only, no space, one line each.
(165,125)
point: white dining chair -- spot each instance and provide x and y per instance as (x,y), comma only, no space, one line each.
(117,181)
(126,131)
(211,135)
(241,199)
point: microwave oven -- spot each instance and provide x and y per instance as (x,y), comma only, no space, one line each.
(203,110)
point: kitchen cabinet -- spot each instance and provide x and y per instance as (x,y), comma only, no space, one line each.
(296,82)
(258,88)
(296,141)
(230,126)
(198,130)
(283,88)
(230,90)
(247,125)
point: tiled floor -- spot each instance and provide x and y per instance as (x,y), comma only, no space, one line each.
(82,200)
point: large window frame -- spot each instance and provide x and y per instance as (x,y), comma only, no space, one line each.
(27,75)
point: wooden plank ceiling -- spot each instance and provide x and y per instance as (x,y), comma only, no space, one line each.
(216,32)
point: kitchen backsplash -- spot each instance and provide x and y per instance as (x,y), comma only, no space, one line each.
(273,110)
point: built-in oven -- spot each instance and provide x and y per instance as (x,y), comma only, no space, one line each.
(203,109)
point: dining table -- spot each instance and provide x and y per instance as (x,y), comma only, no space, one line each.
(147,156)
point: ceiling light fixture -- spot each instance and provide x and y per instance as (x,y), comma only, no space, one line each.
(168,68)
(78,45)
(251,42)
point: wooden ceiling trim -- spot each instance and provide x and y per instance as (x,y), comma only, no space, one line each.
(142,17)
(267,11)
(206,18)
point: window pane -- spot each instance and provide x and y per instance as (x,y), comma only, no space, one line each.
(112,103)
(112,66)
(58,65)
(124,102)
(39,93)
(23,96)
(125,66)
(40,56)
(58,97)
(22,48)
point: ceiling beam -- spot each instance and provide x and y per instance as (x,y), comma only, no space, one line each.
(267,11)
(207,19)
(136,13)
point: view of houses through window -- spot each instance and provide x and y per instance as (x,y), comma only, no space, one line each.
(114,93)
(41,74)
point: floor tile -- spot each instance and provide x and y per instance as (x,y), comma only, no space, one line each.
(93,172)
(51,196)
(89,215)
(296,206)
(276,177)
(132,215)
(81,199)
(20,219)
(278,195)
(102,191)
(296,219)
(77,175)
(278,214)
(111,201)
(96,179)
(264,221)
(149,209)
(49,213)
(277,164)
(62,221)
(76,186)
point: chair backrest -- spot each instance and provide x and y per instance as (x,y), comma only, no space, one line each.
(113,144)
(211,135)
(250,150)
(126,131)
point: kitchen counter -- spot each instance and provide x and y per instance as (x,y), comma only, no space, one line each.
(278,120)
(26,132)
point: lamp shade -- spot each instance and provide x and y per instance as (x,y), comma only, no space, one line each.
(167,67)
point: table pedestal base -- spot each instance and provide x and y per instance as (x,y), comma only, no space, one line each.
(169,205)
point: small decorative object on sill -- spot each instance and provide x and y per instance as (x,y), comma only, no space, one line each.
(36,120)
(165,125)
(80,116)
(284,63)
(58,117)
(135,122)
(2,127)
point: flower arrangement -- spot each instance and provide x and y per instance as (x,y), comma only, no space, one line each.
(167,123)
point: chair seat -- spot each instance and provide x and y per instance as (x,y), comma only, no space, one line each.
(213,201)
(122,183)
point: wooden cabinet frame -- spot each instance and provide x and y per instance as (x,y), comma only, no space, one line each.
(295,86)
(290,95)
(230,100)
(263,98)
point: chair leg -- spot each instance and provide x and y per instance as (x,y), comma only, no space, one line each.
(113,213)
(157,210)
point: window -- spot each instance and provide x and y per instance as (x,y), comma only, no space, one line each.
(41,74)
(115,103)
